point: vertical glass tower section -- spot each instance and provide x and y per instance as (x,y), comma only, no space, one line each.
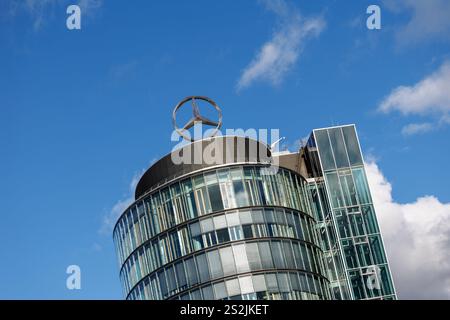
(354,254)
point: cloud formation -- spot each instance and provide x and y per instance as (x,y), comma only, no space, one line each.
(417,240)
(416,128)
(278,55)
(109,220)
(429,20)
(428,97)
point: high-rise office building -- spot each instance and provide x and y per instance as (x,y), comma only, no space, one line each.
(239,230)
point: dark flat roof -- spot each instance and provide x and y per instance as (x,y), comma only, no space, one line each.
(216,151)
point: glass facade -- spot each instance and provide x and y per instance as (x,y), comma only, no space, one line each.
(355,259)
(229,233)
(236,232)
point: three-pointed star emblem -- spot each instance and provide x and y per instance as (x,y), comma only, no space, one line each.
(197,118)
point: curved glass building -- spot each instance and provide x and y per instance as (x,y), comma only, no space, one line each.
(229,226)
(228,231)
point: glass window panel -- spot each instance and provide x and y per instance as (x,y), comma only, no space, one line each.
(201,199)
(253,256)
(357,224)
(175,243)
(228,197)
(361,186)
(185,296)
(211,178)
(240,257)
(298,256)
(257,216)
(181,275)
(335,190)
(220,291)
(350,253)
(208,293)
(245,217)
(265,254)
(248,231)
(305,257)
(337,144)
(277,254)
(207,225)
(215,197)
(269,216)
(233,287)
(370,219)
(236,233)
(348,187)
(310,279)
(271,282)
(197,239)
(232,219)
(210,238)
(190,199)
(195,229)
(162,283)
(248,172)
(377,249)
(215,265)
(357,285)
(259,283)
(343,225)
(223,235)
(155,288)
(223,175)
(202,265)
(288,254)
(280,217)
(351,142)
(246,285)
(220,222)
(294,281)
(191,272)
(236,173)
(298,226)
(386,282)
(196,294)
(364,255)
(283,282)
(303,282)
(240,194)
(171,282)
(228,265)
(323,143)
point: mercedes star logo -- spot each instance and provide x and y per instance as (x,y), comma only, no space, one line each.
(197,118)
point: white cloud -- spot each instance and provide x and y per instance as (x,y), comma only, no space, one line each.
(416,128)
(277,56)
(430,20)
(417,240)
(430,96)
(110,219)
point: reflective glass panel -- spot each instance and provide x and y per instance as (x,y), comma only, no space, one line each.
(326,155)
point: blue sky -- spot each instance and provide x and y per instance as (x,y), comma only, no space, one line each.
(83,112)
